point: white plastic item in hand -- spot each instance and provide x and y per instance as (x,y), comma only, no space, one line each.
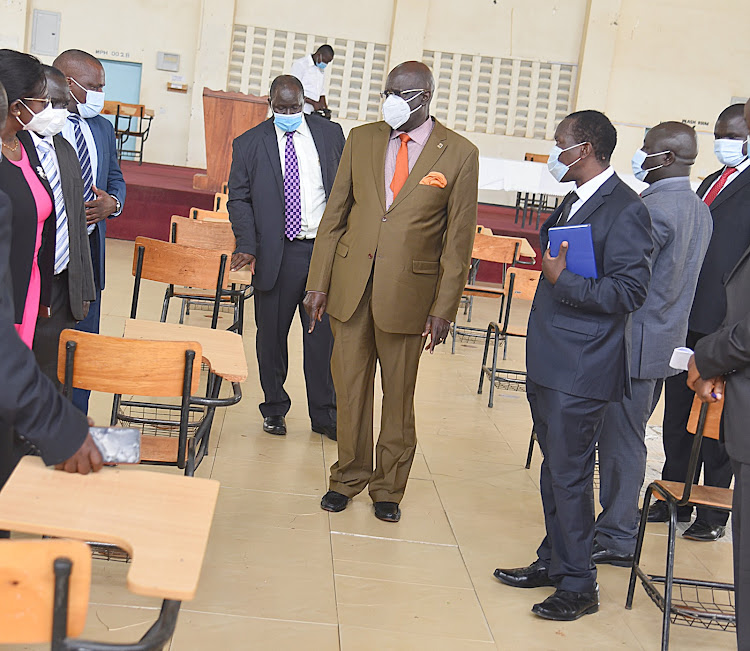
(680,358)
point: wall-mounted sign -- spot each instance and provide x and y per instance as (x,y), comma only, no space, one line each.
(112,54)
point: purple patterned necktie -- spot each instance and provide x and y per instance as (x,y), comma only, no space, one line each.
(292,200)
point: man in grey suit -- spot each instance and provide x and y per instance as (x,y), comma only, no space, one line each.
(73,283)
(681,227)
(726,352)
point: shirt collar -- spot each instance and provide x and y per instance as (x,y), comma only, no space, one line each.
(671,183)
(743,165)
(304,130)
(418,135)
(587,190)
(38,139)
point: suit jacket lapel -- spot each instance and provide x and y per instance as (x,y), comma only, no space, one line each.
(320,145)
(433,150)
(743,259)
(379,147)
(733,188)
(36,165)
(272,147)
(588,208)
(706,183)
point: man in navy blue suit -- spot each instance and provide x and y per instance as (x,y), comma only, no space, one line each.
(578,356)
(104,187)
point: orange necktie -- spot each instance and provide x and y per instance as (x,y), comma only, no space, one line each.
(402,166)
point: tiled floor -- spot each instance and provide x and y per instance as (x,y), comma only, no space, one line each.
(282,574)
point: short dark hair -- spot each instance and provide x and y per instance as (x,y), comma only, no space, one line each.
(21,74)
(3,105)
(733,111)
(51,71)
(326,49)
(284,80)
(595,128)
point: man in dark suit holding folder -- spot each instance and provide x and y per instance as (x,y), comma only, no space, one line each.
(577,356)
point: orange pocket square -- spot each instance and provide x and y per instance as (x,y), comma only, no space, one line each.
(435,179)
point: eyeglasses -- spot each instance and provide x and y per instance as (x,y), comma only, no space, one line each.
(46,100)
(400,93)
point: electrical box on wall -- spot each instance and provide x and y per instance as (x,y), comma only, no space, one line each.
(167,61)
(45,32)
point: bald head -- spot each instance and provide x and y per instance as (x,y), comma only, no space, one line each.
(672,148)
(747,114)
(416,77)
(72,62)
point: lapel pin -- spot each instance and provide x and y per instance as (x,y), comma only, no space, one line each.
(41,173)
(440,145)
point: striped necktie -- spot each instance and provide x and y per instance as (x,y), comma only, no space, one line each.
(85,160)
(62,237)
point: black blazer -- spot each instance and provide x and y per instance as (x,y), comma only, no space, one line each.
(30,405)
(256,191)
(727,352)
(579,329)
(13,183)
(731,214)
(80,268)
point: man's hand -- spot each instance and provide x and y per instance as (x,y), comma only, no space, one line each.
(100,208)
(87,459)
(239,260)
(552,266)
(711,390)
(315,304)
(437,328)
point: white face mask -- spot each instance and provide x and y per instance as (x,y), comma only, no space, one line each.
(637,164)
(729,152)
(557,168)
(48,122)
(396,109)
(94,102)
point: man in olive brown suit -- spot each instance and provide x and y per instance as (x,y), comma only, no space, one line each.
(389,266)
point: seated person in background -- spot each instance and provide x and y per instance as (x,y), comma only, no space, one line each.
(73,281)
(681,227)
(310,70)
(31,408)
(22,179)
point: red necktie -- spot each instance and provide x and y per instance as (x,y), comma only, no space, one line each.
(714,191)
(401,173)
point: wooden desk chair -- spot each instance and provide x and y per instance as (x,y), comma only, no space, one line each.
(686,601)
(225,188)
(132,121)
(491,249)
(527,202)
(483,230)
(45,597)
(175,264)
(520,284)
(220,202)
(213,236)
(209,215)
(173,434)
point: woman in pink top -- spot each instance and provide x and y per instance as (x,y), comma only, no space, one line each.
(32,255)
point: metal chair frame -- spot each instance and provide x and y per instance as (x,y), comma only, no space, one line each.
(670,611)
(133,127)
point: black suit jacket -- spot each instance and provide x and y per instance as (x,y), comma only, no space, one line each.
(256,191)
(23,237)
(727,352)
(731,214)
(579,329)
(31,407)
(80,268)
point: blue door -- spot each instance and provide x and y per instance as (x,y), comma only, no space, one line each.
(123,84)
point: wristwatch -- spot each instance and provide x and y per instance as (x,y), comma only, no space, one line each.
(117,202)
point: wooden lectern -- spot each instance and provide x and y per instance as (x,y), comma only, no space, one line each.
(226,116)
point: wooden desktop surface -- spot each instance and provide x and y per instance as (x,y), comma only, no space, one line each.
(223,351)
(161,520)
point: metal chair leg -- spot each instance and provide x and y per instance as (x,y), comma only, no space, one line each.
(532,438)
(494,370)
(484,361)
(669,575)
(453,343)
(638,547)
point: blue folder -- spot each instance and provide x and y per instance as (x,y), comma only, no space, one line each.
(580,259)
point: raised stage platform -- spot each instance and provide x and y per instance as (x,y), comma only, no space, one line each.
(156,192)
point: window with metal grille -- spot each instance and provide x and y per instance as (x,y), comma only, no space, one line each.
(355,77)
(506,96)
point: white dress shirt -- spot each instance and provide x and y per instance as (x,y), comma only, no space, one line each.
(740,168)
(69,134)
(587,190)
(312,78)
(312,192)
(40,150)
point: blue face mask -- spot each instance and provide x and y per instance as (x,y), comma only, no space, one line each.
(287,122)
(321,65)
(556,167)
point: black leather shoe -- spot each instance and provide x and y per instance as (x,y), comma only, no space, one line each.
(275,425)
(326,430)
(564,606)
(334,502)
(387,511)
(659,512)
(535,575)
(703,531)
(603,556)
